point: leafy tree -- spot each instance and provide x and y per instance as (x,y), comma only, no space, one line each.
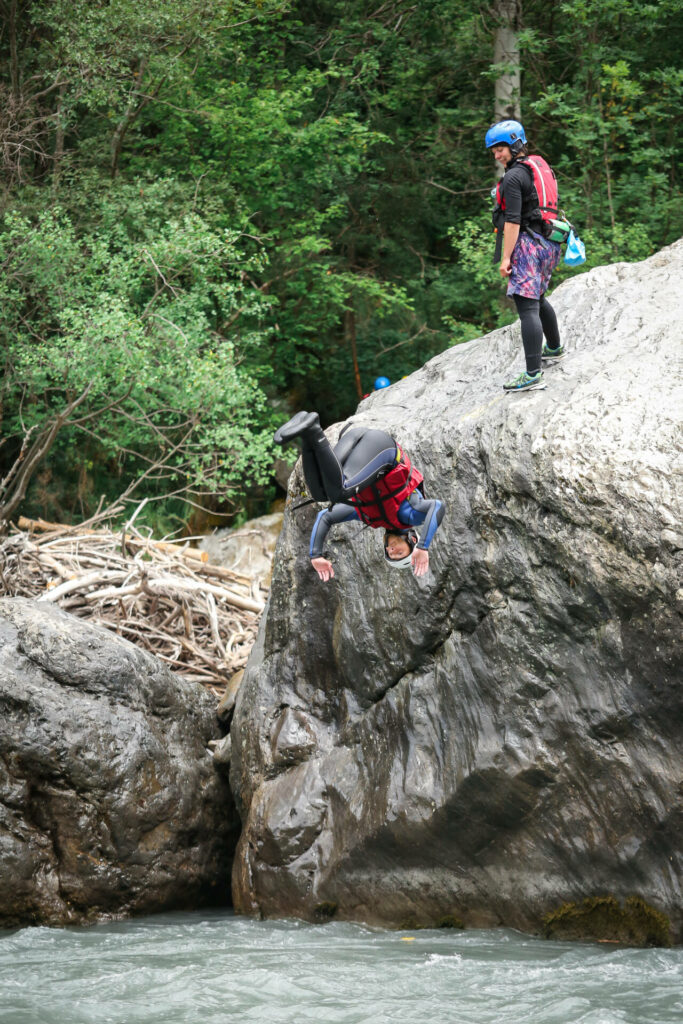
(119,355)
(298,188)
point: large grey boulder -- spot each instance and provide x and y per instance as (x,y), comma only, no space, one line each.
(110,803)
(504,736)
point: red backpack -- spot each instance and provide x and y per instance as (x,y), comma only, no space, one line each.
(378,503)
(545,184)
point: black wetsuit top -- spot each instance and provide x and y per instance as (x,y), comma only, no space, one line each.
(521,201)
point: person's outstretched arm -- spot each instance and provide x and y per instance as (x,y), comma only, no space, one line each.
(321,527)
(426,513)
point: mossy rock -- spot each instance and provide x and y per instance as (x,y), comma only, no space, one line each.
(411,924)
(324,911)
(604,919)
(449,921)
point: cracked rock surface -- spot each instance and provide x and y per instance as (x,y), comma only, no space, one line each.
(110,803)
(505,734)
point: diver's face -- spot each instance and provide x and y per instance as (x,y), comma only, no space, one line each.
(397,547)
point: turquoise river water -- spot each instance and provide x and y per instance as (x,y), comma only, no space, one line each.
(207,968)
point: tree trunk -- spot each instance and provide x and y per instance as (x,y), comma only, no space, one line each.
(506,52)
(33,451)
(59,141)
(350,332)
(132,110)
(13,49)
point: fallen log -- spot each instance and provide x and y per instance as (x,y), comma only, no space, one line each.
(134,540)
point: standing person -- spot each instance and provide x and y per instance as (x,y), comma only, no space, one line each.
(367,477)
(526,202)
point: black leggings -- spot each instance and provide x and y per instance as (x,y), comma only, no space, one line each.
(336,474)
(537,318)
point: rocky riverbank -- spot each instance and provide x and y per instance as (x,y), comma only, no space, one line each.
(110,802)
(501,740)
(497,743)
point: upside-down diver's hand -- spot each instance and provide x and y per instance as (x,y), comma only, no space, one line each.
(420,561)
(323,567)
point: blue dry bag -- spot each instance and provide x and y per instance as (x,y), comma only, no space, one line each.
(576,251)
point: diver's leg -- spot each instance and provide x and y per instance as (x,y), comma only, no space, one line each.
(322,471)
(295,427)
(323,464)
(357,458)
(312,476)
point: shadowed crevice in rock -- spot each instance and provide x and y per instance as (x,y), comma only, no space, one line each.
(501,737)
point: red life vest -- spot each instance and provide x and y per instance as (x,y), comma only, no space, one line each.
(378,503)
(545,184)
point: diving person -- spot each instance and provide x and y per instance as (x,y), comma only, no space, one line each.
(366,477)
(524,215)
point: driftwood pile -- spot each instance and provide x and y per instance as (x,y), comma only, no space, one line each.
(200,619)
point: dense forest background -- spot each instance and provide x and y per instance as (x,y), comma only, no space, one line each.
(213,214)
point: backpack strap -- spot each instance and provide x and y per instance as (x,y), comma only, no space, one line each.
(529,164)
(498,252)
(380,501)
(387,494)
(308,501)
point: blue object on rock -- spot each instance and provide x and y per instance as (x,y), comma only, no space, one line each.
(575,254)
(382,382)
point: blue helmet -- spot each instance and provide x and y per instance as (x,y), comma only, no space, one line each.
(382,382)
(508,133)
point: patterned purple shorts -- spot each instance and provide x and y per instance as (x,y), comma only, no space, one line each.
(533,260)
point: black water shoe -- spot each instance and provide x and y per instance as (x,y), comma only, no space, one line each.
(298,425)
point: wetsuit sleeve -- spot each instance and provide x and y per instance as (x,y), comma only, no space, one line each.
(512,191)
(324,520)
(426,513)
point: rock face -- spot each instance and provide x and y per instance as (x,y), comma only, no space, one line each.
(110,803)
(505,735)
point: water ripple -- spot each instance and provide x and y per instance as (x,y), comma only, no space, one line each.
(215,968)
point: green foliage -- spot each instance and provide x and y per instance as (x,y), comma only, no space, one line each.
(138,325)
(213,212)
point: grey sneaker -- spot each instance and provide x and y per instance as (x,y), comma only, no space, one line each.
(526,382)
(552,355)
